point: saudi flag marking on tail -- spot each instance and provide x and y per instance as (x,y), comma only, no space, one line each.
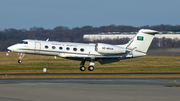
(140,38)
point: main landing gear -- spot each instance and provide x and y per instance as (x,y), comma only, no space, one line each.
(21,57)
(90,68)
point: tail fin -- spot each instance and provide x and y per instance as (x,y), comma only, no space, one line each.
(142,40)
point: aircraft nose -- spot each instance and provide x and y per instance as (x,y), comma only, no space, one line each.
(10,48)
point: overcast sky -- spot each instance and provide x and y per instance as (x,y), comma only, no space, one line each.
(49,14)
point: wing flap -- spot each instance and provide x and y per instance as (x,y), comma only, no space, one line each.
(106,61)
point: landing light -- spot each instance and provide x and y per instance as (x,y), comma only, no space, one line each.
(7,54)
(44,70)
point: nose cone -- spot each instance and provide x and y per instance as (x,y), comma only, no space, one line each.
(11,48)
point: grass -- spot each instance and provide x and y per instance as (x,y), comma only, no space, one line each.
(36,63)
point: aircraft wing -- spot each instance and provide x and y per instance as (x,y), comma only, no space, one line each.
(100,59)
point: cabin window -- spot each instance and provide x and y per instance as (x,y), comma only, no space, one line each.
(60,48)
(46,47)
(82,50)
(53,47)
(67,48)
(75,49)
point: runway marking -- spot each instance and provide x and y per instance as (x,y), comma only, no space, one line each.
(93,75)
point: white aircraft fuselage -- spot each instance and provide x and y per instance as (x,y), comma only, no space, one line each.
(103,53)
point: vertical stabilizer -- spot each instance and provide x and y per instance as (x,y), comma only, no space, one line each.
(142,40)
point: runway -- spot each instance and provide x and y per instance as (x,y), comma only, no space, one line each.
(59,74)
(90,89)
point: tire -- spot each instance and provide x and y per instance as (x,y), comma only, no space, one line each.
(82,68)
(90,68)
(19,61)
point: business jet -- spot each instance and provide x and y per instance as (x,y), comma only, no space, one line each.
(101,52)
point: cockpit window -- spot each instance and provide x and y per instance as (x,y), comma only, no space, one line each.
(23,42)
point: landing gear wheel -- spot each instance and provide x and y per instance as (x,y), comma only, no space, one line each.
(82,68)
(90,68)
(19,61)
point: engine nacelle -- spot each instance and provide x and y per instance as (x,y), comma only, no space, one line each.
(109,49)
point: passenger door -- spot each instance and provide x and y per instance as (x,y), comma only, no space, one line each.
(37,47)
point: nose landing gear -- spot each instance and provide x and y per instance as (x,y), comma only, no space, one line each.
(21,57)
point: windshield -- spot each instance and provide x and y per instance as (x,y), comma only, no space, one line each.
(23,42)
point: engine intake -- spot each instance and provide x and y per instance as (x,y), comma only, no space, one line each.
(109,49)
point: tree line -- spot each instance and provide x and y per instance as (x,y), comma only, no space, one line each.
(64,34)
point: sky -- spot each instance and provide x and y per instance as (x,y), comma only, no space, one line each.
(25,14)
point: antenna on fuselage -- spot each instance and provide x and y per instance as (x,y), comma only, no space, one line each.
(47,39)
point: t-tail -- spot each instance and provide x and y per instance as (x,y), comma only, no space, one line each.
(140,43)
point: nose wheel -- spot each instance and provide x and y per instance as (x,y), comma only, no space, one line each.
(19,61)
